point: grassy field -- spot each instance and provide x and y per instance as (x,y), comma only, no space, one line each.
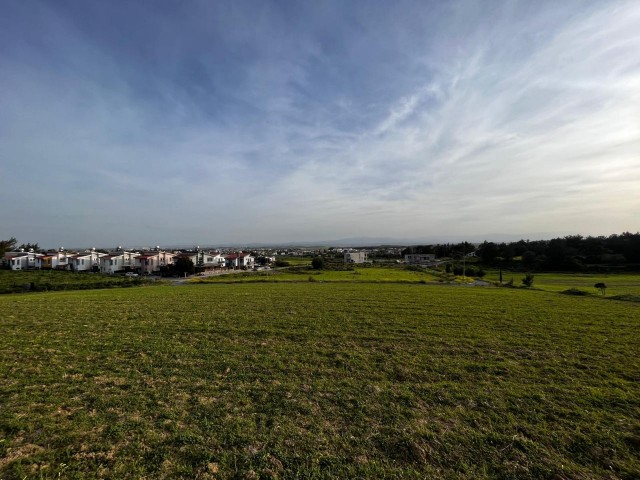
(617,283)
(44,280)
(318,380)
(358,274)
(296,261)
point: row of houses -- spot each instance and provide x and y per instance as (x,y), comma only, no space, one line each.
(419,259)
(121,260)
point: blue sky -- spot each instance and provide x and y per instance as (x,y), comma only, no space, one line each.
(165,122)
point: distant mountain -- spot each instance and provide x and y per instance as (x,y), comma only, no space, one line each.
(426,240)
(373,241)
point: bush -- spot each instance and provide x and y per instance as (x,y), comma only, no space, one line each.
(575,291)
(508,284)
(317,263)
(527,281)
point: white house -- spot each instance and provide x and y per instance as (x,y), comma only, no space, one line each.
(208,260)
(355,257)
(214,259)
(419,258)
(86,261)
(118,260)
(240,260)
(152,261)
(55,259)
(22,260)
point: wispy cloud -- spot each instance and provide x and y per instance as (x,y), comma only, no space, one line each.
(264,122)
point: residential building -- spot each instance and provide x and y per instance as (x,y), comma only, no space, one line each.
(419,258)
(355,257)
(240,260)
(22,260)
(118,260)
(55,260)
(152,261)
(87,261)
(204,260)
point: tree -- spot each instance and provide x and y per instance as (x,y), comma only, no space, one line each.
(7,245)
(29,246)
(602,287)
(184,265)
(506,252)
(317,263)
(262,260)
(529,258)
(488,252)
(556,252)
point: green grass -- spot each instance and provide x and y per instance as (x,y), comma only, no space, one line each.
(358,274)
(617,283)
(44,280)
(295,261)
(318,380)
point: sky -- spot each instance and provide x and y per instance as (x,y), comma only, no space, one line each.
(179,122)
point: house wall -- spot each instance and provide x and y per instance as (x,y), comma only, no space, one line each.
(84,263)
(59,260)
(418,258)
(247,262)
(149,263)
(24,261)
(355,257)
(115,263)
(241,262)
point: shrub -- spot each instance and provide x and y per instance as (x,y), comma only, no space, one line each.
(317,263)
(413,268)
(575,291)
(527,281)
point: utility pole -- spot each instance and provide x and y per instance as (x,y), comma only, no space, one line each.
(464,259)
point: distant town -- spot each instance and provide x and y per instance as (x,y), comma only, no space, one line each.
(574,253)
(156,260)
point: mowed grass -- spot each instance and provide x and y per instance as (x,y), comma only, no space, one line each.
(318,380)
(358,274)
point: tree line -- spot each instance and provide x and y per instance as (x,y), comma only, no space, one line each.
(570,253)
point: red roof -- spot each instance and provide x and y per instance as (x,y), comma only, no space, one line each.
(233,256)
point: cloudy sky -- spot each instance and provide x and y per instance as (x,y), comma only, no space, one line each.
(166,122)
